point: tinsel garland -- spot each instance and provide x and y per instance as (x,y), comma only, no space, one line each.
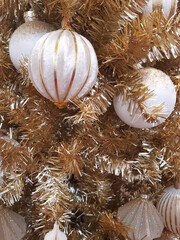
(79,164)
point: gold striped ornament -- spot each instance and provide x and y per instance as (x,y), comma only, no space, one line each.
(12,225)
(169,207)
(169,7)
(63,65)
(142,217)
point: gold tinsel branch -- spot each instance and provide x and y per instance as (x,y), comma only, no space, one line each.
(97,18)
(113,227)
(51,196)
(91,107)
(155,39)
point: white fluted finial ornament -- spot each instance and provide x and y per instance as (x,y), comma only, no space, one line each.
(55,234)
(142,217)
(169,207)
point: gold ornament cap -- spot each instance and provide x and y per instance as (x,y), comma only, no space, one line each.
(30,15)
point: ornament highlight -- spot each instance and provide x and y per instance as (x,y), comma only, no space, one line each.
(157,107)
(12,225)
(168,7)
(169,207)
(25,36)
(63,65)
(55,234)
(141,215)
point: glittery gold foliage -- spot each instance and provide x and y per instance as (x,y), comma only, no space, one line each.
(78,164)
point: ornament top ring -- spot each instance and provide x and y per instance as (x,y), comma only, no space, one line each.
(63,65)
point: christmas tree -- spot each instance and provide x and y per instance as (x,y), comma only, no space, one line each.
(76,162)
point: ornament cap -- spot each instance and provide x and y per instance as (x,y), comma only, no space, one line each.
(30,15)
(65,24)
(144,196)
(177,181)
(60,104)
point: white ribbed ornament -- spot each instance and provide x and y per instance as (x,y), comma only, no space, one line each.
(142,217)
(55,234)
(12,225)
(168,7)
(169,208)
(164,94)
(63,65)
(25,36)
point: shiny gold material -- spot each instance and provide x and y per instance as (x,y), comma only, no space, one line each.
(60,104)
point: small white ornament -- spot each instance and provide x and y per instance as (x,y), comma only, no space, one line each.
(63,65)
(164,94)
(142,217)
(12,225)
(169,7)
(24,38)
(169,208)
(55,234)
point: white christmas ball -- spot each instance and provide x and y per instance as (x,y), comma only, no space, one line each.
(24,38)
(163,93)
(169,208)
(63,65)
(168,7)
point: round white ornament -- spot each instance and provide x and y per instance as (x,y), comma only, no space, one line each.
(168,7)
(55,234)
(63,65)
(169,207)
(164,96)
(24,38)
